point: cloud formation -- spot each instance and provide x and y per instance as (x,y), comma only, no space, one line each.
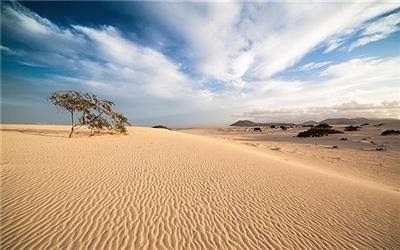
(230,59)
(244,40)
(377,30)
(101,57)
(359,80)
(313,65)
(346,110)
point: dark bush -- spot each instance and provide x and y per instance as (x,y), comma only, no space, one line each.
(283,127)
(364,124)
(318,132)
(323,125)
(308,126)
(257,129)
(273,126)
(380,124)
(161,126)
(343,139)
(352,128)
(391,132)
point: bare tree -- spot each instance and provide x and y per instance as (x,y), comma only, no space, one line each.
(95,113)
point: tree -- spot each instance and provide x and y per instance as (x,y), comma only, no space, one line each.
(95,113)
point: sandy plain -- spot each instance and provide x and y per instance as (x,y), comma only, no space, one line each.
(214,188)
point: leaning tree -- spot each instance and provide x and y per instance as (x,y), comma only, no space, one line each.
(93,112)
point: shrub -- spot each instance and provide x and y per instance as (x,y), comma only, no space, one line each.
(323,125)
(364,124)
(391,132)
(318,132)
(380,124)
(352,128)
(283,127)
(343,139)
(273,126)
(95,113)
(161,126)
(257,129)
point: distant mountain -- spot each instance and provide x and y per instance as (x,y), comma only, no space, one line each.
(346,121)
(247,123)
(331,121)
(244,123)
(277,124)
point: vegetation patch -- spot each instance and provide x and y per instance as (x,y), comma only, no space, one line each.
(318,132)
(391,132)
(97,114)
(352,128)
(283,127)
(323,125)
(161,126)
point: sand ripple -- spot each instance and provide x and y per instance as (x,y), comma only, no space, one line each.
(158,189)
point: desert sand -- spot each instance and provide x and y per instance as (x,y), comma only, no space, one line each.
(162,189)
(356,157)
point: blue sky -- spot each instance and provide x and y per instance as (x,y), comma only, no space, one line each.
(194,64)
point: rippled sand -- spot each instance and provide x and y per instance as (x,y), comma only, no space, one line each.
(161,189)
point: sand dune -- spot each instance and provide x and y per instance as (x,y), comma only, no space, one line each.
(160,189)
(355,157)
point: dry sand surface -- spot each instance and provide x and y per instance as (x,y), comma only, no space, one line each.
(355,157)
(161,189)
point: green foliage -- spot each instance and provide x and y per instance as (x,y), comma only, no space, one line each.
(318,132)
(95,113)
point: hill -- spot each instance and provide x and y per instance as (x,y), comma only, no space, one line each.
(331,121)
(346,121)
(244,123)
(247,123)
(307,123)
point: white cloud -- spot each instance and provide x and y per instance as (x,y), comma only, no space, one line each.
(241,45)
(360,80)
(147,69)
(361,71)
(312,66)
(332,44)
(226,41)
(377,30)
(101,58)
(8,50)
(351,109)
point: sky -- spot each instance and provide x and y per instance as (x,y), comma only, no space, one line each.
(199,64)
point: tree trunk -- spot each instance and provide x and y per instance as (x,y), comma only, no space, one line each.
(72,125)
